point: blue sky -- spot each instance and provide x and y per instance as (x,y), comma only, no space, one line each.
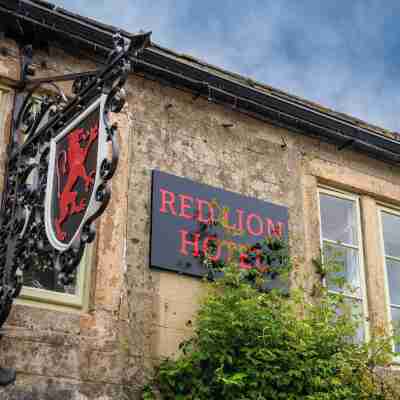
(343,54)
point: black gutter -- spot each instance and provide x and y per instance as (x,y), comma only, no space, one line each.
(271,108)
(226,90)
(273,115)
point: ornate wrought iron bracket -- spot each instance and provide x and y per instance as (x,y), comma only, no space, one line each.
(44,130)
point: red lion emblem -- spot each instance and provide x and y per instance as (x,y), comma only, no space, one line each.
(72,161)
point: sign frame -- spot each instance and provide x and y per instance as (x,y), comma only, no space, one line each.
(92,205)
(165,226)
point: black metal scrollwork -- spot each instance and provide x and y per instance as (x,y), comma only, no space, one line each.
(23,241)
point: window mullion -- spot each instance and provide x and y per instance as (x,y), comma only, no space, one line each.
(342,244)
(394,258)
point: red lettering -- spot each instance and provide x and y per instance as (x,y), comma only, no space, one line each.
(243,262)
(258,260)
(275,229)
(270,227)
(239,213)
(201,215)
(226,221)
(257,218)
(217,255)
(186,203)
(170,201)
(279,229)
(185,241)
(243,257)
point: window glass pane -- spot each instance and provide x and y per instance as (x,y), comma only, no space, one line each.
(393,272)
(396,325)
(345,269)
(353,309)
(338,219)
(391,232)
(358,316)
(47,279)
(360,333)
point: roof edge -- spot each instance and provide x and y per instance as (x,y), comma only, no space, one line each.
(230,89)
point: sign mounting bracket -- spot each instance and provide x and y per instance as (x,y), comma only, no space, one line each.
(35,191)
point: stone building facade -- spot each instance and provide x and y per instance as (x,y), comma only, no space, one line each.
(196,121)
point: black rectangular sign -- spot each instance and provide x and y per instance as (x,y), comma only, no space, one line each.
(180,229)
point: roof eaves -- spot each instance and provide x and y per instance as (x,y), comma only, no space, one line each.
(263,88)
(230,87)
(266,90)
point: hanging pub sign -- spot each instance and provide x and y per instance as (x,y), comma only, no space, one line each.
(62,154)
(183,225)
(74,175)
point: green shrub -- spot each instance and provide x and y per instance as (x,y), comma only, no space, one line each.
(249,343)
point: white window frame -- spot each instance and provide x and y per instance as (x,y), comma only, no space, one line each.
(356,199)
(394,211)
(79,300)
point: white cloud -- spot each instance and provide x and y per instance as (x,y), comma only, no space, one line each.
(331,53)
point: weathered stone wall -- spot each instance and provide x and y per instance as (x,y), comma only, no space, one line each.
(176,133)
(137,315)
(173,132)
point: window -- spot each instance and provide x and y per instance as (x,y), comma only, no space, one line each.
(42,286)
(390,228)
(341,240)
